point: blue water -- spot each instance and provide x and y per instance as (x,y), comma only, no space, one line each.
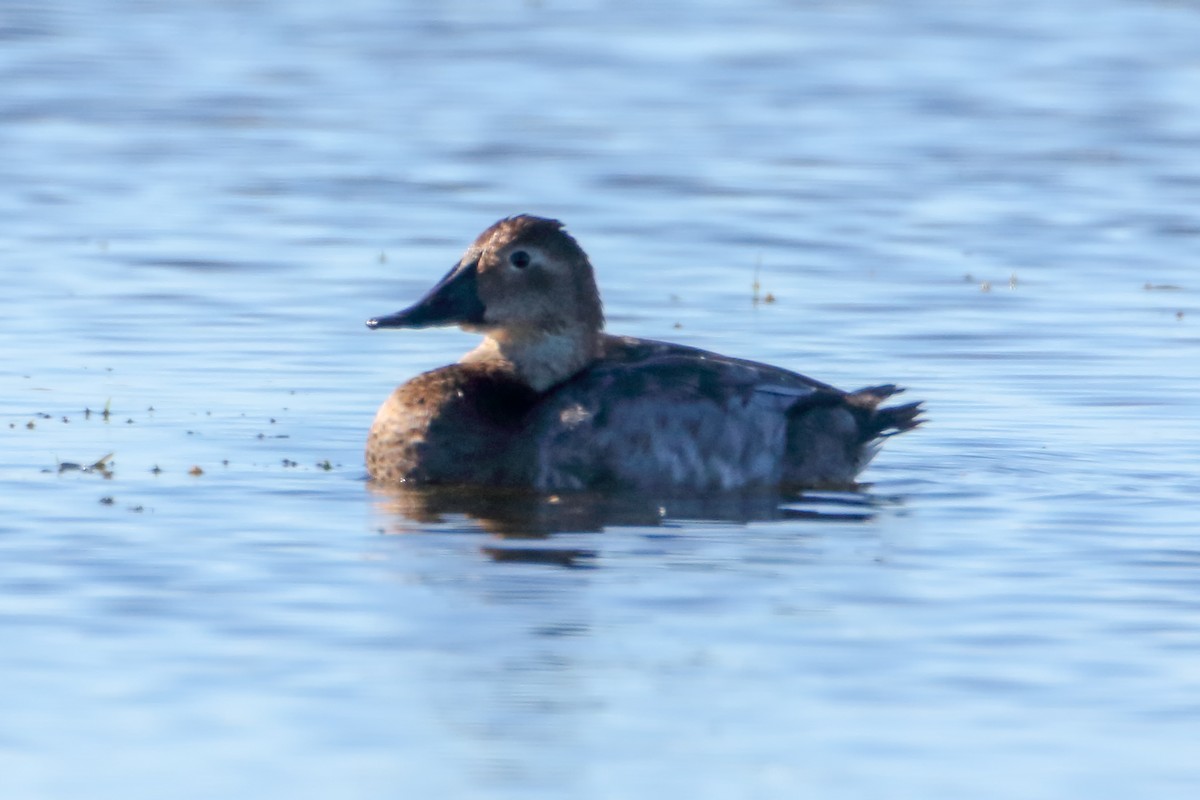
(993,204)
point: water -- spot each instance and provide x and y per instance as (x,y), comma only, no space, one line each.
(992,204)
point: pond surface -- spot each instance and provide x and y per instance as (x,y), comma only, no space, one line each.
(992,204)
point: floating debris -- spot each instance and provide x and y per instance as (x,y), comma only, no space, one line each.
(102,465)
(756,296)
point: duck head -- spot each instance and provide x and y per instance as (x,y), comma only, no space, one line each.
(528,286)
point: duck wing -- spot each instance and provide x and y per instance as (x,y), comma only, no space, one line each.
(651,415)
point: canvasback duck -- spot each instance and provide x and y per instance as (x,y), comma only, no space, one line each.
(550,402)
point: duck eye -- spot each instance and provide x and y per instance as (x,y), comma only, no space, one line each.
(519,259)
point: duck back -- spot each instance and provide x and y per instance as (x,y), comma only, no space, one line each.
(658,416)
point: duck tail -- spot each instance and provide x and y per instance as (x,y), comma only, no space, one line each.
(887,421)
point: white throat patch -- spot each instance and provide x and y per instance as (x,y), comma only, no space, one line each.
(540,361)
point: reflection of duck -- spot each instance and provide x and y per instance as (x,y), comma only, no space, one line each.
(521,517)
(548,401)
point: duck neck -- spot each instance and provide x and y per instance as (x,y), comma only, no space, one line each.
(538,358)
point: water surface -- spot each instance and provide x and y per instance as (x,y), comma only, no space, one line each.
(991,204)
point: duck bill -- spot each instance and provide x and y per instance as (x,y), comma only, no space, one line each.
(453,301)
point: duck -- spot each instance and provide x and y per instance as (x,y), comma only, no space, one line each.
(550,402)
